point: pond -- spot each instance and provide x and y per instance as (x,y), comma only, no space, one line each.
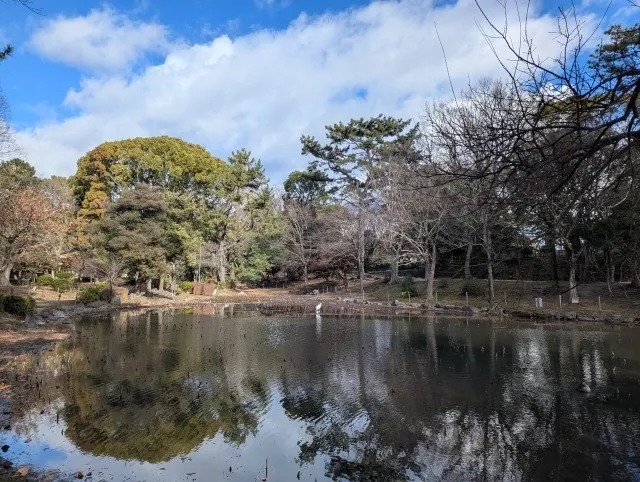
(217,394)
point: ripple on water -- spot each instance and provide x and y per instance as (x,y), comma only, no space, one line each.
(334,398)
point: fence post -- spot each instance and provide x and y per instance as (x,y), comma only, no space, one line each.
(559,300)
(466,294)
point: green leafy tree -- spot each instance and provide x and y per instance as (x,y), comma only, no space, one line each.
(167,163)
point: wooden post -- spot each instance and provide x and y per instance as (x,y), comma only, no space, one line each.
(559,300)
(505,299)
(466,294)
(436,297)
(599,305)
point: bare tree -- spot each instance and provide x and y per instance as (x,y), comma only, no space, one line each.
(470,140)
(299,236)
(415,209)
(336,239)
(7,144)
(574,112)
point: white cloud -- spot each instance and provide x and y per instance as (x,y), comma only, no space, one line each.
(101,40)
(263,90)
(272,3)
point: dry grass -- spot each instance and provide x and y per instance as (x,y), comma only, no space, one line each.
(520,295)
(16,339)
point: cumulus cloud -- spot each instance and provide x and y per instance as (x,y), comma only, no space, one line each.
(101,40)
(263,90)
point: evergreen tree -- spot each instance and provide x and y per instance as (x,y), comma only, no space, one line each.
(352,158)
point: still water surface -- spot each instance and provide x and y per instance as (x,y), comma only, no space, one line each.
(200,396)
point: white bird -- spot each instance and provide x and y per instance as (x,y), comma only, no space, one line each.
(318,306)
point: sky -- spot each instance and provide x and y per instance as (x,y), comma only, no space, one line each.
(254,74)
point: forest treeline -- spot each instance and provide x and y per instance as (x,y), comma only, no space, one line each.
(542,159)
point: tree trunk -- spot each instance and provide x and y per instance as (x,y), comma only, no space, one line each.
(432,273)
(345,281)
(467,261)
(554,266)
(492,291)
(573,288)
(148,285)
(5,275)
(486,238)
(361,241)
(393,274)
(161,284)
(612,277)
(222,264)
(586,261)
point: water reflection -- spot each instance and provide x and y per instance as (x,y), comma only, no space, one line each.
(212,391)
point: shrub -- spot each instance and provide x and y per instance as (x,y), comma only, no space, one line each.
(443,283)
(473,286)
(409,287)
(185,286)
(44,280)
(62,281)
(89,294)
(17,305)
(230,284)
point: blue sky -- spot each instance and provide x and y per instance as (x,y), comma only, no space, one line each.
(244,73)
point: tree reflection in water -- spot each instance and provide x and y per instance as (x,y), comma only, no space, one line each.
(375,399)
(127,399)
